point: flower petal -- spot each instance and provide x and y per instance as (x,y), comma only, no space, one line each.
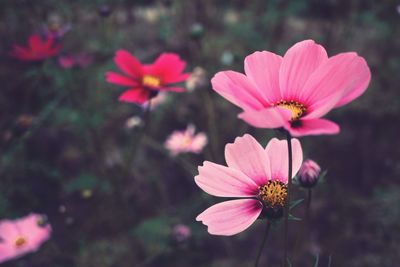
(168,67)
(249,157)
(315,127)
(266,118)
(221,181)
(119,79)
(128,63)
(35,42)
(231,217)
(135,95)
(238,89)
(277,151)
(346,73)
(263,69)
(299,62)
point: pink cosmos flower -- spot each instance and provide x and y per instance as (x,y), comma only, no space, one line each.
(295,91)
(81,60)
(22,236)
(145,81)
(37,49)
(257,176)
(186,141)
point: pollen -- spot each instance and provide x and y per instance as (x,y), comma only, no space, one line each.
(20,242)
(273,194)
(151,81)
(297,109)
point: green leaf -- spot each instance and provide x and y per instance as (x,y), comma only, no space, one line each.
(294,203)
(294,218)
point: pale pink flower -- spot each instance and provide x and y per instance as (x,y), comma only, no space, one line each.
(296,90)
(22,236)
(159,99)
(256,176)
(186,141)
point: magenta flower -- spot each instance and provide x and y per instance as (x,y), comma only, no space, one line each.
(295,91)
(69,61)
(309,173)
(186,141)
(22,236)
(145,81)
(256,175)
(37,49)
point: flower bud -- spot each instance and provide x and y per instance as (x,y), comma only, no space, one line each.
(309,173)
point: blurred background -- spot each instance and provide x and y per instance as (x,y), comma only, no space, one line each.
(116,197)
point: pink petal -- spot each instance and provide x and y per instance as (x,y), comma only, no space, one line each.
(249,157)
(238,89)
(221,181)
(119,79)
(8,231)
(299,62)
(128,63)
(172,89)
(169,67)
(135,95)
(231,217)
(320,108)
(266,118)
(277,151)
(315,127)
(346,73)
(35,42)
(36,235)
(263,69)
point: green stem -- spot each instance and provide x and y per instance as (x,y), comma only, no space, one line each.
(289,187)
(262,244)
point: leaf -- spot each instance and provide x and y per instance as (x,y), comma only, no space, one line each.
(294,203)
(294,218)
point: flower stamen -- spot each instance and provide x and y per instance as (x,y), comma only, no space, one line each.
(297,109)
(20,242)
(273,194)
(151,81)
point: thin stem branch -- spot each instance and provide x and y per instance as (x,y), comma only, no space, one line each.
(289,187)
(262,243)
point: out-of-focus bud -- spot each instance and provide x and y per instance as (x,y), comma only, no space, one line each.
(196,31)
(309,173)
(104,10)
(181,232)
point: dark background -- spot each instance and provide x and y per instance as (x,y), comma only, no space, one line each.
(113,197)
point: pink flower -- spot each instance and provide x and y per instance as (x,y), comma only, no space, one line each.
(309,173)
(37,49)
(295,91)
(81,60)
(145,81)
(22,236)
(186,141)
(257,176)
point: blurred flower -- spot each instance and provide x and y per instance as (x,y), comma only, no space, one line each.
(81,60)
(398,9)
(145,81)
(86,193)
(55,28)
(309,173)
(197,79)
(227,58)
(257,176)
(150,14)
(159,99)
(133,122)
(293,92)
(37,49)
(186,141)
(231,16)
(181,232)
(104,10)
(22,236)
(25,120)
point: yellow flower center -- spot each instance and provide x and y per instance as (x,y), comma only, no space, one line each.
(297,109)
(20,242)
(151,81)
(273,194)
